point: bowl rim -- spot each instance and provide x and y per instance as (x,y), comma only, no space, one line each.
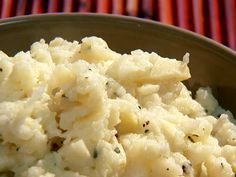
(209,43)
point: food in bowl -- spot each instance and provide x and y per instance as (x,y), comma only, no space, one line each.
(80,109)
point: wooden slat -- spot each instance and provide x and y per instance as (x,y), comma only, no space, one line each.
(85,5)
(6,8)
(198,18)
(21,7)
(166,11)
(102,6)
(215,20)
(132,7)
(183,12)
(53,6)
(118,7)
(37,7)
(230,14)
(147,8)
(67,5)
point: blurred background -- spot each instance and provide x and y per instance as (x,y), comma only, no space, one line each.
(215,19)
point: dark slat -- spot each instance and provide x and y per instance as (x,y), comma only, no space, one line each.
(147,8)
(85,5)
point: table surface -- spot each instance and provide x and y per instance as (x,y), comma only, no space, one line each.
(215,19)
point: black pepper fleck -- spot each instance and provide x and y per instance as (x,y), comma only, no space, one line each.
(18,148)
(191,139)
(117,150)
(139,106)
(90,69)
(184,168)
(147,122)
(116,135)
(144,125)
(222,165)
(146,131)
(95,154)
(86,77)
(167,169)
(1,69)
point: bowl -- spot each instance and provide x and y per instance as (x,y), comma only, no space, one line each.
(211,64)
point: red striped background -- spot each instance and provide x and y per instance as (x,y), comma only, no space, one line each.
(215,19)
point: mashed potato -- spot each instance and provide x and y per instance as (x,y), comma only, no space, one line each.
(70,109)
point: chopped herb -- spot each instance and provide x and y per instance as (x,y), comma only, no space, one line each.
(90,69)
(167,169)
(55,164)
(95,154)
(147,122)
(107,83)
(1,69)
(18,148)
(191,139)
(139,106)
(146,131)
(86,77)
(144,125)
(117,150)
(206,110)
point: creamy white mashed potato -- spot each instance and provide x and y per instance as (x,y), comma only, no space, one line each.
(70,109)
